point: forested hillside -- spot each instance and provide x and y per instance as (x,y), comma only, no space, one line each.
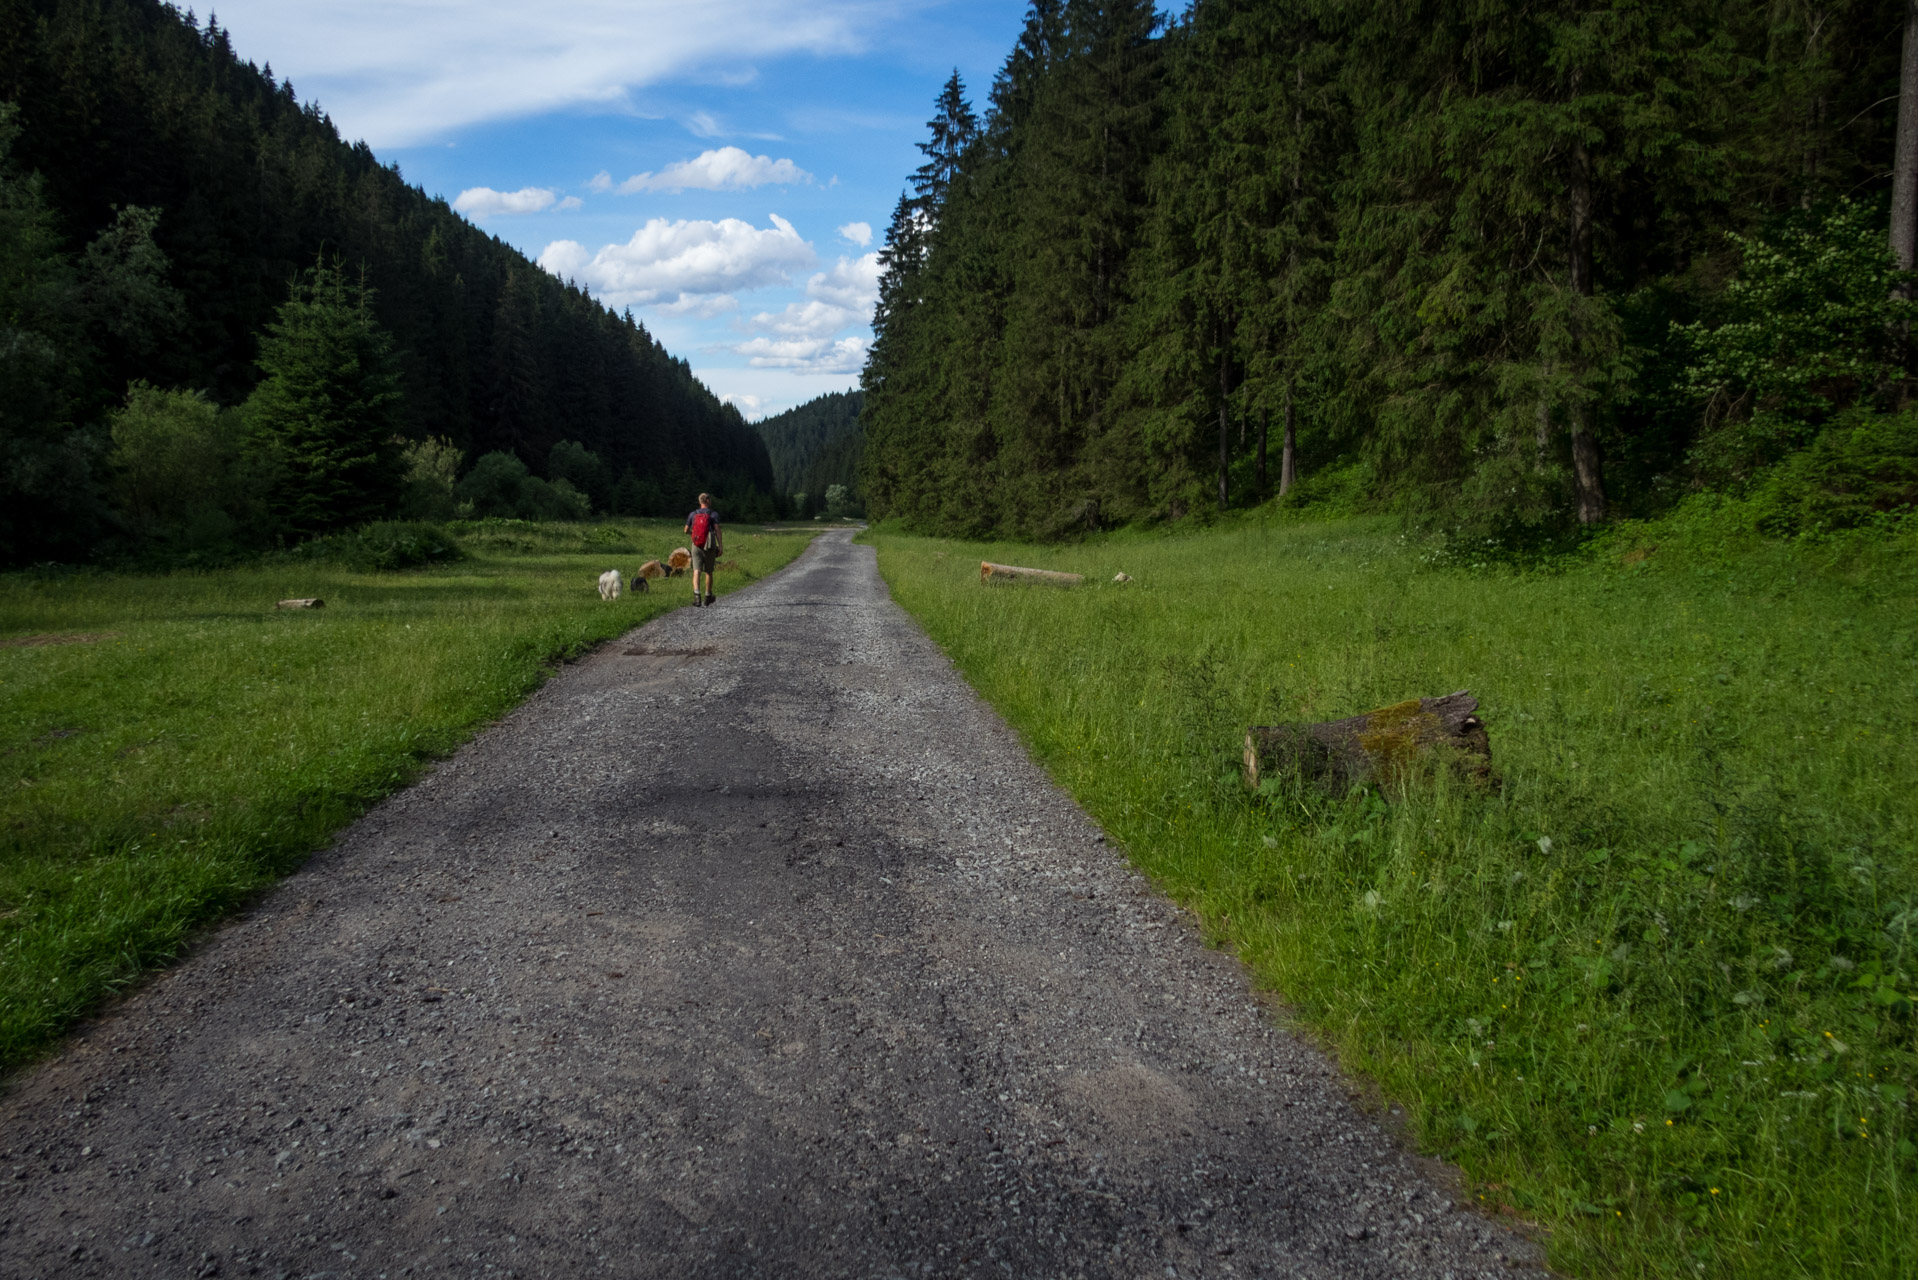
(816,446)
(1514,267)
(160,199)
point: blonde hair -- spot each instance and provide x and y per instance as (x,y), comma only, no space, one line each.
(705,499)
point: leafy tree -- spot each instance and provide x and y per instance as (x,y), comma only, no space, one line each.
(329,397)
(187,474)
(492,488)
(432,468)
(582,468)
(1814,321)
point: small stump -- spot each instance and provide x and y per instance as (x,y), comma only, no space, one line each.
(1391,744)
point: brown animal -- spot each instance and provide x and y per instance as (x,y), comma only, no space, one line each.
(651,569)
(680,561)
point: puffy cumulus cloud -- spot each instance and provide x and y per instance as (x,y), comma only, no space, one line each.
(850,282)
(676,264)
(484,202)
(403,72)
(859,233)
(726,169)
(753,407)
(805,355)
(803,336)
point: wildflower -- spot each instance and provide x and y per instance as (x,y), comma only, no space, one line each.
(1714,1190)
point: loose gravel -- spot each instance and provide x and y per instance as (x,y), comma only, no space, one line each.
(753,945)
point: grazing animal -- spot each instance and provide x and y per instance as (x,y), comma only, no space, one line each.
(651,569)
(680,561)
(609,585)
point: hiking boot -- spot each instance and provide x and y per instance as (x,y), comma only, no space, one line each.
(697,602)
(711,598)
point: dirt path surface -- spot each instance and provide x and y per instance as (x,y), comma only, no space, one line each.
(753,945)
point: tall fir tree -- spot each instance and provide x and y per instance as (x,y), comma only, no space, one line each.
(329,399)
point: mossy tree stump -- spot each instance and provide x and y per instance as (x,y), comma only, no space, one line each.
(1391,744)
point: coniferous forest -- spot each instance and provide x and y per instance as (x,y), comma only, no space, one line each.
(814,448)
(224,326)
(1512,269)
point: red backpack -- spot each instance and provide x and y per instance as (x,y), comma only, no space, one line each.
(702,525)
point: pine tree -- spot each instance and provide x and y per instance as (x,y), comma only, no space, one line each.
(329,398)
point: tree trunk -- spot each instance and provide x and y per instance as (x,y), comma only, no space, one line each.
(1289,450)
(990,572)
(1391,744)
(1904,166)
(1904,182)
(1588,481)
(1265,430)
(1225,436)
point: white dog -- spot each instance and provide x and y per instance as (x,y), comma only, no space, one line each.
(609,585)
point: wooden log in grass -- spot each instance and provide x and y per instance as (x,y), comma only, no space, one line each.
(1391,744)
(305,602)
(990,572)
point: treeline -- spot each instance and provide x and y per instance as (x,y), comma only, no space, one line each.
(815,452)
(162,203)
(1513,266)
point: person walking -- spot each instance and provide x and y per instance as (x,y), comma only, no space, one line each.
(702,527)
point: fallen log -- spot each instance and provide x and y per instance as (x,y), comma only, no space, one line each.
(1391,744)
(990,572)
(307,602)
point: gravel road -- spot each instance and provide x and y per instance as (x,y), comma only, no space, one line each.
(753,945)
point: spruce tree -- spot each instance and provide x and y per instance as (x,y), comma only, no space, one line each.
(329,398)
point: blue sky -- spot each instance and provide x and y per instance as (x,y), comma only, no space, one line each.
(725,168)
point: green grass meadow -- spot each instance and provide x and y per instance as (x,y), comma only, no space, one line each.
(1656,991)
(180,743)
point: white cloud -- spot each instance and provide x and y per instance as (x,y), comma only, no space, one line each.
(484,202)
(748,404)
(807,355)
(859,233)
(726,169)
(802,336)
(678,263)
(601,181)
(403,72)
(570,202)
(849,282)
(703,124)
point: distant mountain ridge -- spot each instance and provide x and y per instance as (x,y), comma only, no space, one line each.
(816,445)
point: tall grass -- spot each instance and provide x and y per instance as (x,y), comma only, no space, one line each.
(1656,991)
(181,743)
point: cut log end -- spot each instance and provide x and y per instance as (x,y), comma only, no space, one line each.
(990,572)
(1390,744)
(305,602)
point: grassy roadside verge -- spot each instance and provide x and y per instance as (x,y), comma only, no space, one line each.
(1657,992)
(180,744)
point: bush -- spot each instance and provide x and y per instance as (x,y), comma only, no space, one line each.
(385,546)
(188,476)
(432,466)
(499,486)
(1862,469)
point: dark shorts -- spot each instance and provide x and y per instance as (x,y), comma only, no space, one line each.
(704,558)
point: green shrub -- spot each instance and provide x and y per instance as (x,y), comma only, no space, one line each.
(188,478)
(384,546)
(1859,471)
